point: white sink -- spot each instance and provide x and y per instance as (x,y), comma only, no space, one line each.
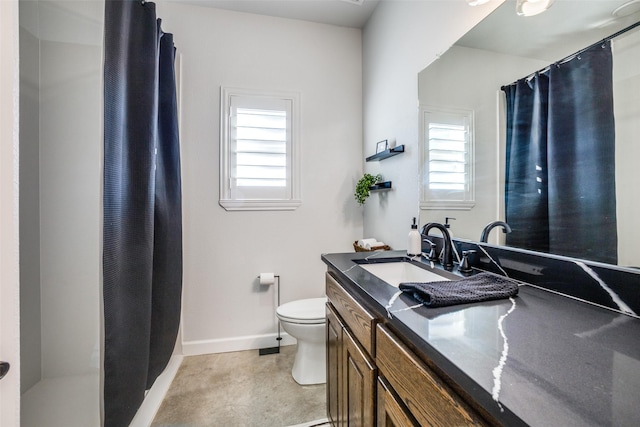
(395,273)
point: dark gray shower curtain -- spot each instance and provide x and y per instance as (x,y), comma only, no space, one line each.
(142,230)
(560,174)
(526,202)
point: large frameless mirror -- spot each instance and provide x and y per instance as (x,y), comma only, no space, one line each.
(505,48)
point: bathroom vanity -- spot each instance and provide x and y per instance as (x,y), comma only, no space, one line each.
(540,358)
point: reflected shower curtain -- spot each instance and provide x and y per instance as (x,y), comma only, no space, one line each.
(560,165)
(526,203)
(142,230)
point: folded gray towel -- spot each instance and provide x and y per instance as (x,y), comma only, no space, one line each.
(480,287)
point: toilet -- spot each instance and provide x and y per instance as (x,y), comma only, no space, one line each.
(305,320)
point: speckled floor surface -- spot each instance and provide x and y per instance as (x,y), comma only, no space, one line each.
(240,389)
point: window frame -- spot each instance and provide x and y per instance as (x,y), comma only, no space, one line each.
(229,197)
(443,199)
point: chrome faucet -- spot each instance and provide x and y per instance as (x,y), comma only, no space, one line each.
(484,237)
(447,258)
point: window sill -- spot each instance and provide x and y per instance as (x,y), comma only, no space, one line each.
(260,205)
(447,204)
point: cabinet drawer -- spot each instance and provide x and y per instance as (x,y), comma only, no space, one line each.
(428,399)
(356,318)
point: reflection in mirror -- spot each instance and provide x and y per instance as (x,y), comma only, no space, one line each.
(560,158)
(504,48)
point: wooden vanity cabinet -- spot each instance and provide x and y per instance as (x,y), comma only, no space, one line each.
(359,381)
(351,373)
(390,412)
(374,379)
(427,398)
(355,317)
(334,366)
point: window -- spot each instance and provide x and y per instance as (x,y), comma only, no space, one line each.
(446,158)
(259,166)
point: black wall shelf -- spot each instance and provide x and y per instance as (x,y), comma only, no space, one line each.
(386,154)
(386,185)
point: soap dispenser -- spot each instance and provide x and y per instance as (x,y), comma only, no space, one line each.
(414,246)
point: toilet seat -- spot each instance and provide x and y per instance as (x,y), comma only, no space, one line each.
(304,311)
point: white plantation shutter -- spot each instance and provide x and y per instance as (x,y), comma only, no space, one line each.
(258,152)
(447,156)
(447,159)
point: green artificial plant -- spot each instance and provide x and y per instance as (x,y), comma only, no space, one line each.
(363,185)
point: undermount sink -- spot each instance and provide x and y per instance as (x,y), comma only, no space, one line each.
(395,273)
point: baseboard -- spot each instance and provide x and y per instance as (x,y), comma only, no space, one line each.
(152,401)
(225,345)
(323,422)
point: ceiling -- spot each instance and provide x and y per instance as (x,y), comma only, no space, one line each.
(566,27)
(344,13)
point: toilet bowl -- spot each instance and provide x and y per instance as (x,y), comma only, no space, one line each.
(305,320)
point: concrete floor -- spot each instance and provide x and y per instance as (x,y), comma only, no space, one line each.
(241,389)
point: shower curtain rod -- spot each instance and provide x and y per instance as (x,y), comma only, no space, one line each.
(575,54)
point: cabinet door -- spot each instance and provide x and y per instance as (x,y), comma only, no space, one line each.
(359,375)
(334,368)
(390,410)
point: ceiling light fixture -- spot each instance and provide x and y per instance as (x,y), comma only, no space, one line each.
(532,7)
(477,2)
(629,8)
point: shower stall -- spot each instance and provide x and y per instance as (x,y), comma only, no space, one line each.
(60,211)
(61,164)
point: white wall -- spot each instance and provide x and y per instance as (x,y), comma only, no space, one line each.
(626,88)
(224,308)
(62,141)
(30,302)
(70,150)
(9,245)
(402,38)
(447,83)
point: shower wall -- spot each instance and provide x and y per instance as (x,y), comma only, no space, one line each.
(60,183)
(70,201)
(30,322)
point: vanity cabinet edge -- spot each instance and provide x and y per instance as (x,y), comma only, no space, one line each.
(424,394)
(334,367)
(351,370)
(358,320)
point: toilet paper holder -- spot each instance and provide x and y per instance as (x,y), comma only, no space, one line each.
(268,279)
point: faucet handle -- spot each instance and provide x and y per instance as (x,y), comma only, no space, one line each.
(432,252)
(465,267)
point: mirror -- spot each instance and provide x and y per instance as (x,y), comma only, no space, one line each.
(506,47)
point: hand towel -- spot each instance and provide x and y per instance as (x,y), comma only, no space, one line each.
(480,287)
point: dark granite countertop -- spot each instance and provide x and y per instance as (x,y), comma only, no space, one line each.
(538,359)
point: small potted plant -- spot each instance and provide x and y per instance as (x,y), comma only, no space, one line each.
(363,186)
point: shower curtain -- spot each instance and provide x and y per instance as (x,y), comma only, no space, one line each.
(560,174)
(142,230)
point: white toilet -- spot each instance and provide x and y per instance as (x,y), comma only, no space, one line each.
(305,320)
